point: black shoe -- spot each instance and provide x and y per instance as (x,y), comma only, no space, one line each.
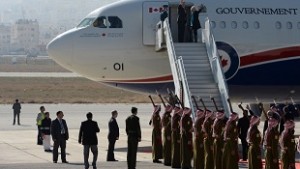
(156,161)
(48,150)
(167,164)
(113,160)
(54,161)
(65,161)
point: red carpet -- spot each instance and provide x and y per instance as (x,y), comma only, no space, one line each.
(244,164)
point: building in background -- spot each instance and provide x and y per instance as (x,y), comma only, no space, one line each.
(5,35)
(25,37)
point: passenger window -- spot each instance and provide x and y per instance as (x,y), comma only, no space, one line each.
(100,22)
(213,24)
(222,24)
(289,25)
(256,25)
(245,25)
(115,22)
(278,25)
(233,25)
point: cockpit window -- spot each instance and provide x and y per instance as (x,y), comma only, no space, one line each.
(86,22)
(115,22)
(100,22)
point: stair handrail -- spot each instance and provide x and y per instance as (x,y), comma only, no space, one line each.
(215,64)
(172,55)
(186,89)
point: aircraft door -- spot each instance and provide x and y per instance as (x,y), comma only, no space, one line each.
(151,16)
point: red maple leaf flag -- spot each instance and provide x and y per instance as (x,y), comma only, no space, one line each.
(224,62)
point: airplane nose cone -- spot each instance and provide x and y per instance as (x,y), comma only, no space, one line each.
(61,48)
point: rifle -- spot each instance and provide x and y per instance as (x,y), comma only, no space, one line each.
(162,100)
(172,99)
(150,122)
(230,106)
(203,104)
(179,101)
(274,100)
(152,100)
(194,99)
(261,107)
(294,104)
(213,100)
(241,107)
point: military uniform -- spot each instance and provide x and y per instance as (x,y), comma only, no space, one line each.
(156,137)
(186,146)
(208,143)
(254,151)
(271,146)
(166,122)
(288,145)
(218,130)
(231,156)
(133,131)
(198,144)
(175,141)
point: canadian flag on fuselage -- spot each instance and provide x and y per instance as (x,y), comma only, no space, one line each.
(155,10)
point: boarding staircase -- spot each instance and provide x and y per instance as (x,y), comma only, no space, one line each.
(196,68)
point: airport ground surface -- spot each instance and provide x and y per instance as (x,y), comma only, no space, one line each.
(18,143)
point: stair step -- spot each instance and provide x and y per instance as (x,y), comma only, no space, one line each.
(190,49)
(190,53)
(197,73)
(197,68)
(197,89)
(189,45)
(198,82)
(195,57)
(196,61)
(197,76)
(206,86)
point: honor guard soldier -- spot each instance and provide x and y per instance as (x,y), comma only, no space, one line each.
(175,163)
(186,142)
(271,142)
(287,144)
(198,140)
(254,140)
(231,156)
(166,122)
(267,115)
(208,140)
(156,135)
(218,130)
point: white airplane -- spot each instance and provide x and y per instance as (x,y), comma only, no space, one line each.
(259,42)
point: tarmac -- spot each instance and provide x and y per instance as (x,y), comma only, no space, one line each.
(20,150)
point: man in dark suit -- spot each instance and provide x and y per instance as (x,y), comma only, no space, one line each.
(17,111)
(113,135)
(133,131)
(88,138)
(60,134)
(164,14)
(181,20)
